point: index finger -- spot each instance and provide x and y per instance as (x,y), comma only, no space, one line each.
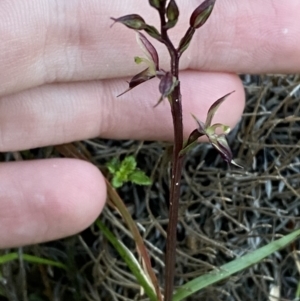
(46,41)
(250,36)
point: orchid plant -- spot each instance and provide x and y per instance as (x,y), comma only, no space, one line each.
(169,87)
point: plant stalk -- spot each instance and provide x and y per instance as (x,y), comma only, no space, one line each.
(174,200)
(176,109)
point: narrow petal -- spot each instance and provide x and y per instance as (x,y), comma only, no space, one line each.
(213,109)
(148,49)
(201,125)
(221,145)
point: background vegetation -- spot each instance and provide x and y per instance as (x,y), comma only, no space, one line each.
(225,212)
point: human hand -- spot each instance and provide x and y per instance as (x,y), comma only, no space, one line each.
(60,73)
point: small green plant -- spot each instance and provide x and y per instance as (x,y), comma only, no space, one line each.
(126,171)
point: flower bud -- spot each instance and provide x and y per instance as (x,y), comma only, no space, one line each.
(172,14)
(167,84)
(131,21)
(155,3)
(201,13)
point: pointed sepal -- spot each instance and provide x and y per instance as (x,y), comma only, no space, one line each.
(191,142)
(214,107)
(148,49)
(219,142)
(138,79)
(132,21)
(201,125)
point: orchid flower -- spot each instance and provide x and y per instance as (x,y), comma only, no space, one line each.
(151,60)
(218,141)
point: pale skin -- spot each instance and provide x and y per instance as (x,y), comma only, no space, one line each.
(61,69)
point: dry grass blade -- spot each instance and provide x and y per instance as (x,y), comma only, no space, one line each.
(117,203)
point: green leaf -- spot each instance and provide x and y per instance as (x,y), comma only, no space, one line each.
(113,165)
(116,182)
(233,267)
(130,260)
(298,291)
(128,165)
(139,241)
(33,259)
(126,171)
(140,178)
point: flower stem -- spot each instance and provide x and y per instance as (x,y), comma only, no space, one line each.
(176,109)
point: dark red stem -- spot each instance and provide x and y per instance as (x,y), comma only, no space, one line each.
(176,109)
